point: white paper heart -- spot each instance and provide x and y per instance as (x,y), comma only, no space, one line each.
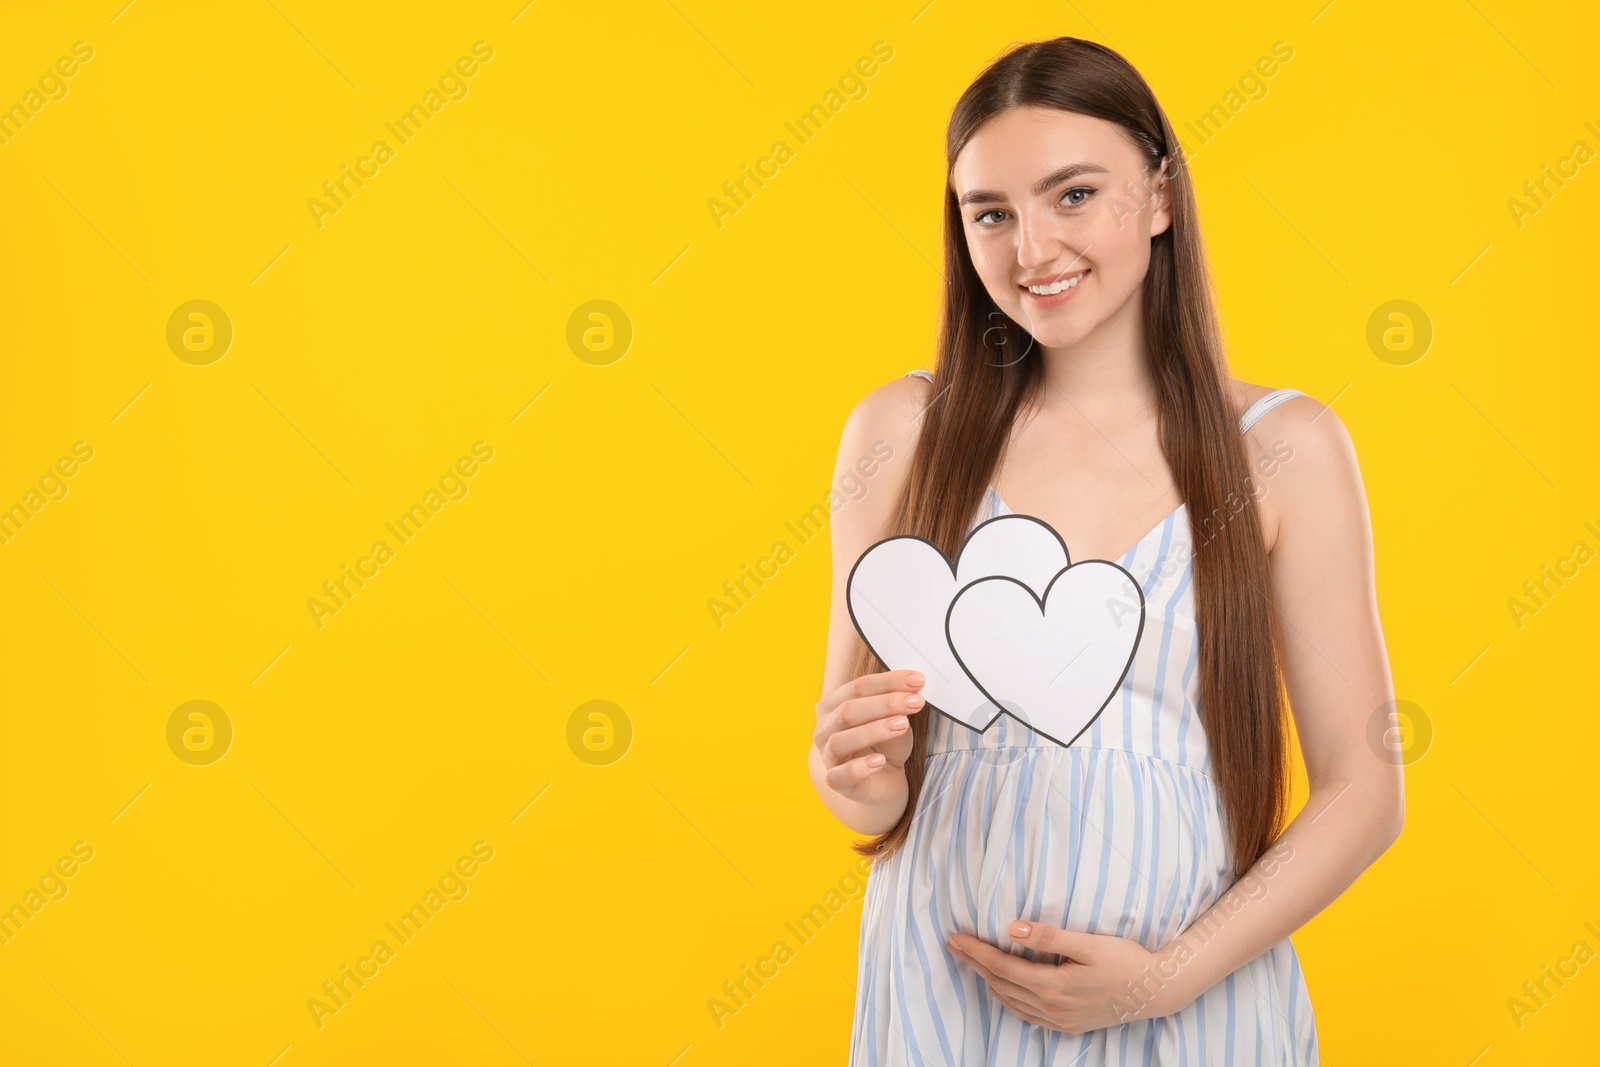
(1054,661)
(900,591)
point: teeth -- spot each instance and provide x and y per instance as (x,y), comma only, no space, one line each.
(1051,290)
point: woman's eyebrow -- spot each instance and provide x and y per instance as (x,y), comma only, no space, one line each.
(1054,178)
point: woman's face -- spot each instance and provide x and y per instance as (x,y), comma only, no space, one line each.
(1048,196)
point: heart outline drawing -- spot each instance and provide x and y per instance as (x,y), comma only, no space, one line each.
(1044,718)
(1031,557)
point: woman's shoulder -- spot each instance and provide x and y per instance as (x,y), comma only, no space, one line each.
(890,413)
(896,406)
(1299,448)
(1288,416)
(1294,403)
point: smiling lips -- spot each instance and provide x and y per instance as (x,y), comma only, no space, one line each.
(1048,287)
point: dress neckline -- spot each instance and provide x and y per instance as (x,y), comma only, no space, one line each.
(1130,550)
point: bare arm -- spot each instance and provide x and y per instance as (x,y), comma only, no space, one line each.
(856,718)
(1337,674)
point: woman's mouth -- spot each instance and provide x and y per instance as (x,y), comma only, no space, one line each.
(1055,293)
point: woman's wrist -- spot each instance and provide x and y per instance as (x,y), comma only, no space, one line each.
(863,817)
(1181,975)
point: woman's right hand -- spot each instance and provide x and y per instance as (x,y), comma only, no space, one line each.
(864,735)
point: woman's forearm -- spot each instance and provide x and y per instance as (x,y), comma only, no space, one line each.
(1344,826)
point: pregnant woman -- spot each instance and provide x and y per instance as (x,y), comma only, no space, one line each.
(1125,896)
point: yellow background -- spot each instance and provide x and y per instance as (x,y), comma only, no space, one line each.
(433,309)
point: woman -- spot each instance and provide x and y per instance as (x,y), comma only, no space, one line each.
(1126,897)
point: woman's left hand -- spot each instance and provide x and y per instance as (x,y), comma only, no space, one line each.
(1105,981)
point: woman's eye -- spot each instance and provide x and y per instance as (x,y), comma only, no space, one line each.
(1077,196)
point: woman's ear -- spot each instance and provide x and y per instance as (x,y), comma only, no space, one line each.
(1161,214)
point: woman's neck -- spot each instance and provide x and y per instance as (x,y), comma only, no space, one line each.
(1106,375)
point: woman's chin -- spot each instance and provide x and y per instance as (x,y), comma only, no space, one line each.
(1061,328)
(1058,335)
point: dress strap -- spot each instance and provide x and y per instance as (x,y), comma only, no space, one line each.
(1264,405)
(920,373)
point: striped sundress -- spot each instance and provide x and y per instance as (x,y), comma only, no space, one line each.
(1119,833)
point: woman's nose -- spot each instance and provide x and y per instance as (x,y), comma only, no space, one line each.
(1041,242)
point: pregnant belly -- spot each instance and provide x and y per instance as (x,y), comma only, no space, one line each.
(1100,840)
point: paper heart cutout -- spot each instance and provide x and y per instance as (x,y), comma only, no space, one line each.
(1055,660)
(900,592)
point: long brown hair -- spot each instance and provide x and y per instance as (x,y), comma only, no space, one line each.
(980,386)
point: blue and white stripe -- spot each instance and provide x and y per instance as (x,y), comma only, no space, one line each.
(1120,833)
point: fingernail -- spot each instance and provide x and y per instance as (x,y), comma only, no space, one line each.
(1022,929)
(913,700)
(898,722)
(915,678)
